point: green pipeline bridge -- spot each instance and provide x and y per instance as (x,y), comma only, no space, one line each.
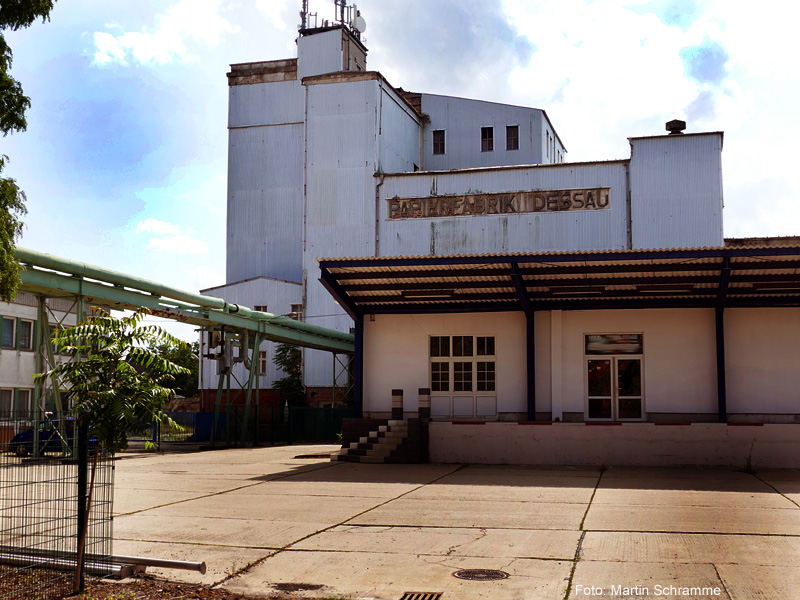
(235,332)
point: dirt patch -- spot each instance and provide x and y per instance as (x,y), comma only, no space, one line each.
(151,588)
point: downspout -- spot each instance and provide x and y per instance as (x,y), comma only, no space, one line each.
(380,177)
(379,167)
(628,209)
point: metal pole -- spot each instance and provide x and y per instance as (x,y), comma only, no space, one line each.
(215,421)
(83,477)
(253,370)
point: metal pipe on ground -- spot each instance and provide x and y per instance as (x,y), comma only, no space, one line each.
(33,555)
(67,564)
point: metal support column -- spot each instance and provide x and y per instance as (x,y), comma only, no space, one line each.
(253,370)
(530,361)
(719,327)
(358,370)
(215,421)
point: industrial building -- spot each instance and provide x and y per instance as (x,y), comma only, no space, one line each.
(477,264)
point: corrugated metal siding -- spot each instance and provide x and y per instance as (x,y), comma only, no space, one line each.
(278,296)
(398,135)
(524,232)
(341,161)
(319,53)
(676,191)
(265,203)
(462,120)
(265,104)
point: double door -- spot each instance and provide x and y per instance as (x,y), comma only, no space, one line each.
(614,388)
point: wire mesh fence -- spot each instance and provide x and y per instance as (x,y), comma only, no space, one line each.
(49,475)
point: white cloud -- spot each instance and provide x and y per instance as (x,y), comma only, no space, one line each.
(151,225)
(178,244)
(196,21)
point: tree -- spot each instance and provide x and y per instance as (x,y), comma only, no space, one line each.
(186,356)
(14,14)
(116,383)
(290,360)
(120,382)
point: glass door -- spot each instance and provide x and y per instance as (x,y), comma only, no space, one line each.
(614,389)
(614,377)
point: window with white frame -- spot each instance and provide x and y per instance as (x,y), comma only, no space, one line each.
(9,329)
(25,335)
(462,363)
(262,362)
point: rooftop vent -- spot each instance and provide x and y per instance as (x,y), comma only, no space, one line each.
(676,127)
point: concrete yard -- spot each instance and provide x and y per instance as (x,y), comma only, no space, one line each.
(261,517)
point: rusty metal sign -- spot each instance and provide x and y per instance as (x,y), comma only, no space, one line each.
(498,204)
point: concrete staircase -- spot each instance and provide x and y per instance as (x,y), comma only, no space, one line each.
(386,445)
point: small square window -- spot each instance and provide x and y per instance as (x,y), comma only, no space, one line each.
(260,308)
(438,141)
(462,345)
(485,345)
(487,139)
(440,345)
(512,137)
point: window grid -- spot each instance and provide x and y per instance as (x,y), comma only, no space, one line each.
(512,137)
(262,362)
(462,377)
(486,376)
(24,404)
(440,377)
(438,141)
(487,139)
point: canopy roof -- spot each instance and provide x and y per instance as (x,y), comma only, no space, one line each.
(661,278)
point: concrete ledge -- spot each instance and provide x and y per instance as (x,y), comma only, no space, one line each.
(633,444)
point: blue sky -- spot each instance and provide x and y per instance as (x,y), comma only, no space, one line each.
(125,158)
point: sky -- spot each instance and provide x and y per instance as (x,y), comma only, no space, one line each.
(124,162)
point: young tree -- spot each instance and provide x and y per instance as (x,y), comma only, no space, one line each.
(14,14)
(120,381)
(290,360)
(185,355)
(117,383)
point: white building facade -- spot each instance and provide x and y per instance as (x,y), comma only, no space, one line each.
(327,159)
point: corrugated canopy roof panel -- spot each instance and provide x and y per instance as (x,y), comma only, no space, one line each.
(659,278)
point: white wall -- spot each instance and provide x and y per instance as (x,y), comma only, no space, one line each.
(762,359)
(396,355)
(278,296)
(679,356)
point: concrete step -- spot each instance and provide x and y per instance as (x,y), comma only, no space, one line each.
(372,459)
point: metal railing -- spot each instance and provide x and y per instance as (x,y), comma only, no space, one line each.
(43,500)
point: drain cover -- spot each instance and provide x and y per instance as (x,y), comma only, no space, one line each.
(480,574)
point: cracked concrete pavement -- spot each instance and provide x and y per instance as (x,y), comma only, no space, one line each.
(260,517)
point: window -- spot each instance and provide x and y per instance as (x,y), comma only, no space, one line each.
(9,327)
(487,139)
(512,137)
(24,404)
(297,312)
(260,308)
(438,141)
(6,404)
(26,335)
(262,362)
(462,363)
